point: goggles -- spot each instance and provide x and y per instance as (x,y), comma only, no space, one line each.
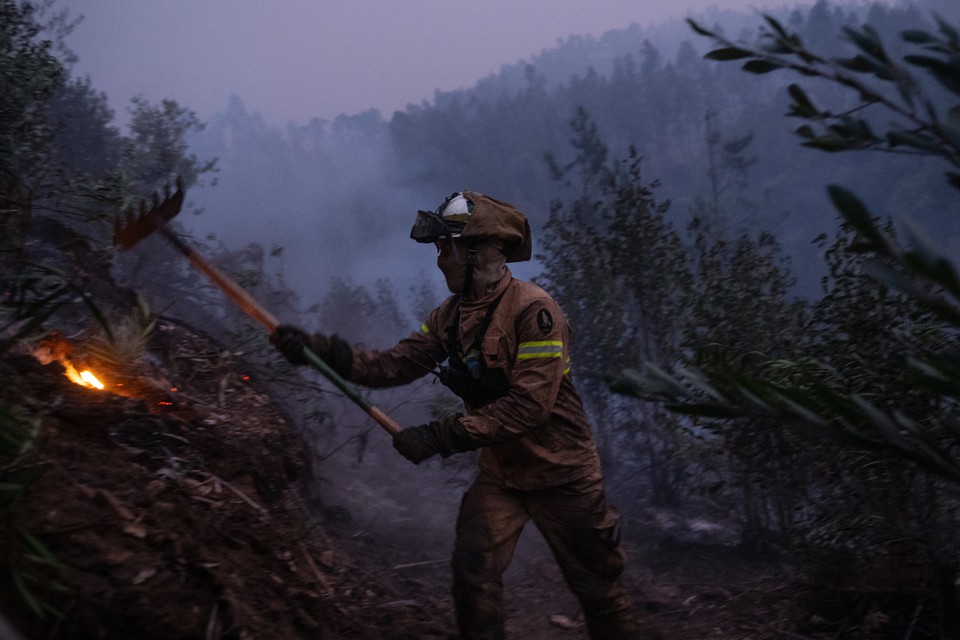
(429,227)
(448,221)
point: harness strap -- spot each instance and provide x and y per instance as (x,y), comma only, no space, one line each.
(453,331)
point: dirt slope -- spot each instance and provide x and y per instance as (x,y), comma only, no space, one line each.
(178,514)
(182,515)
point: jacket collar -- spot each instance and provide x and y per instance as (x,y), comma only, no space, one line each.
(489,296)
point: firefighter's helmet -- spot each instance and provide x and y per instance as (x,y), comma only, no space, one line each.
(472,215)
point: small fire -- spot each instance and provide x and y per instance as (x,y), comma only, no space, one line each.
(83,378)
(56,348)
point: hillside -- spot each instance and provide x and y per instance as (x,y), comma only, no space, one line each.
(181,515)
(187,514)
(181,502)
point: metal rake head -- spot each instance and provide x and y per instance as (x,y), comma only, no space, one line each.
(139,225)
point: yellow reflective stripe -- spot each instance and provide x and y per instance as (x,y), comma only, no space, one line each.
(542,343)
(567,370)
(424,328)
(540,349)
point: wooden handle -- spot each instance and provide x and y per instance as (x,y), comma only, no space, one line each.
(252,308)
(385,421)
(243,299)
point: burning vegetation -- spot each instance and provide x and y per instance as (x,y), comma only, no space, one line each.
(56,348)
(114,359)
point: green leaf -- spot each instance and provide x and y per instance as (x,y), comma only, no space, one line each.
(856,131)
(799,410)
(662,381)
(40,549)
(802,105)
(951,127)
(27,596)
(754,397)
(859,64)
(697,28)
(776,26)
(776,48)
(868,42)
(832,144)
(906,85)
(859,217)
(97,313)
(916,141)
(916,36)
(761,66)
(947,29)
(953,179)
(946,73)
(879,419)
(728,53)
(698,379)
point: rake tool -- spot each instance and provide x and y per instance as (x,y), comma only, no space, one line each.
(139,226)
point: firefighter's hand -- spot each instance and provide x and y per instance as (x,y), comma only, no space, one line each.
(333,350)
(290,341)
(416,444)
(445,437)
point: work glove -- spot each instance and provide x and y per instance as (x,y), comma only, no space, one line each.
(445,437)
(333,350)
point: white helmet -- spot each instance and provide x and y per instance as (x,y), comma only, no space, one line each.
(455,213)
(474,216)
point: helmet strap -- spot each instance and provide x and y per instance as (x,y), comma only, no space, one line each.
(468,274)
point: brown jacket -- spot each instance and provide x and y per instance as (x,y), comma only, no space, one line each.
(537,435)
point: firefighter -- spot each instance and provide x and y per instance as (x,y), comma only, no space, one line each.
(503,344)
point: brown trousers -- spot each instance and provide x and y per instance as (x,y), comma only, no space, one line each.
(583,532)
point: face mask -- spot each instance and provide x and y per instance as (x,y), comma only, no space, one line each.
(452,259)
(487,261)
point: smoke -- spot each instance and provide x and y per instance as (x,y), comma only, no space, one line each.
(319,198)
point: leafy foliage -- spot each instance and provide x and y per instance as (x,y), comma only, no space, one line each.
(918,125)
(918,270)
(875,371)
(33,570)
(633,289)
(64,171)
(30,75)
(591,258)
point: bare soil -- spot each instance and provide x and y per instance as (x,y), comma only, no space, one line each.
(186,514)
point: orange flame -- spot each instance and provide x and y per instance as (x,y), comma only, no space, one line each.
(83,378)
(56,348)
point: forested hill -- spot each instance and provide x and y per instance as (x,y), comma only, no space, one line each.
(332,194)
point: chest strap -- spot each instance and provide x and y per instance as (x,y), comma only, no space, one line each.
(453,331)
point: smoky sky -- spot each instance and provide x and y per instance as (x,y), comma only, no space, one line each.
(301,59)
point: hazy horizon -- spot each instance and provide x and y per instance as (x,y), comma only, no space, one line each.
(321,60)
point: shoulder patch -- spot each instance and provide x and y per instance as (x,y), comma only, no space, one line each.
(544,321)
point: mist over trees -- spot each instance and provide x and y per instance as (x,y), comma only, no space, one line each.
(332,193)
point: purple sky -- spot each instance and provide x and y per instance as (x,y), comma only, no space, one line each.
(300,59)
